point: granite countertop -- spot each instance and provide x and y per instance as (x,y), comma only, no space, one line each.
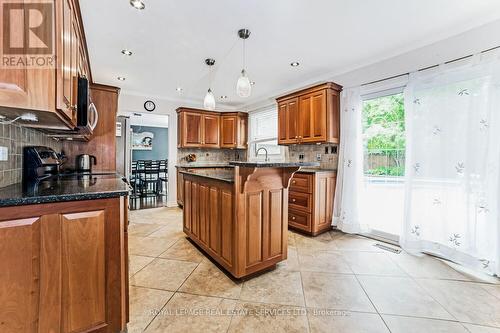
(260,164)
(64,188)
(223,175)
(316,170)
(203,165)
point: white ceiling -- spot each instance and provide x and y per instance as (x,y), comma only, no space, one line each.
(171,38)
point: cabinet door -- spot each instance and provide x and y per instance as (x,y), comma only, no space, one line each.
(83,271)
(242,133)
(229,125)
(191,130)
(287,121)
(325,193)
(211,131)
(292,132)
(20,275)
(313,117)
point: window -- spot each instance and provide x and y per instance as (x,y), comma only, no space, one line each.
(264,134)
(384,136)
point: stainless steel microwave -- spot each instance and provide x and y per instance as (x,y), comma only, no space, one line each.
(86,112)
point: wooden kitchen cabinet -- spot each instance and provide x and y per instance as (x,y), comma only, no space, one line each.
(310,201)
(180,188)
(234,130)
(310,115)
(64,267)
(50,92)
(288,111)
(208,129)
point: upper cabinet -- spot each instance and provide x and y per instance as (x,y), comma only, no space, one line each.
(49,91)
(310,115)
(207,129)
(234,130)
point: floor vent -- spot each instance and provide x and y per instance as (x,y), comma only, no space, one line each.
(387,248)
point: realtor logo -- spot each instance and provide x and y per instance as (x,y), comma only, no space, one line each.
(27,38)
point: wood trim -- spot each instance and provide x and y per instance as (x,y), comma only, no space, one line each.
(76,4)
(322,86)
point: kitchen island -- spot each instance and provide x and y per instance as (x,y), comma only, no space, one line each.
(239,215)
(63,249)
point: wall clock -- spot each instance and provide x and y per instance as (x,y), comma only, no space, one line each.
(149,106)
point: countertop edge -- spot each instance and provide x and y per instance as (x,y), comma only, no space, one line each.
(62,198)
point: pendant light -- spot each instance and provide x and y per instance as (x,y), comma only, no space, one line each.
(243,86)
(209,101)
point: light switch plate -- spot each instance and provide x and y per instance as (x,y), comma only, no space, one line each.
(4,154)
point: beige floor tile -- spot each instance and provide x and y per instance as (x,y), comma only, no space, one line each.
(148,246)
(291,239)
(268,318)
(425,267)
(334,291)
(401,296)
(372,263)
(277,287)
(183,249)
(163,274)
(168,232)
(207,279)
(186,313)
(481,329)
(292,261)
(328,321)
(356,243)
(162,215)
(399,324)
(319,261)
(467,301)
(142,229)
(492,289)
(323,242)
(144,305)
(136,263)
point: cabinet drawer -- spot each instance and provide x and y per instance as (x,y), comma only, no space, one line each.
(301,182)
(300,201)
(299,220)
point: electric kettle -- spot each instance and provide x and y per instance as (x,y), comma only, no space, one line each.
(84,162)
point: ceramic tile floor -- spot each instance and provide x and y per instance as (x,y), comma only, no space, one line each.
(332,283)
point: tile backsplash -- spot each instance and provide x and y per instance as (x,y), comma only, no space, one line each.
(211,155)
(15,137)
(328,159)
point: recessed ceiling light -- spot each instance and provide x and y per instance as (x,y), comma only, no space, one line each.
(252,83)
(137,4)
(178,89)
(294,64)
(223,97)
(127,52)
(121,78)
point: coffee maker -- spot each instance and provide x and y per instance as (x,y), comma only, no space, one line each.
(39,163)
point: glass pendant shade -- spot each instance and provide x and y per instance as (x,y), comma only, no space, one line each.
(243,86)
(209,101)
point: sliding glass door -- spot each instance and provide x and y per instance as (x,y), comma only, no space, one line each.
(383,124)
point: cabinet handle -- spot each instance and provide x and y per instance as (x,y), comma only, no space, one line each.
(293,200)
(293,218)
(294,182)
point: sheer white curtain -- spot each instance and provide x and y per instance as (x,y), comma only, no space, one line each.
(452,164)
(349,188)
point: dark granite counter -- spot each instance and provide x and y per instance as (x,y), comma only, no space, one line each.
(65,188)
(226,175)
(196,165)
(274,164)
(316,170)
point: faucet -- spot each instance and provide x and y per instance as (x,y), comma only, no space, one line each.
(257,153)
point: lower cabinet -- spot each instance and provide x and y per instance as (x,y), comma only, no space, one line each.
(64,267)
(310,202)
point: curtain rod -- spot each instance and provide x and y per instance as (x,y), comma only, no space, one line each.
(429,67)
